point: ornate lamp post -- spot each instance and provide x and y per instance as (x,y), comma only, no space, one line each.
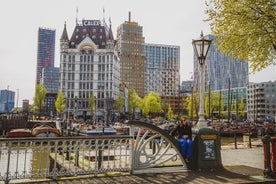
(201,47)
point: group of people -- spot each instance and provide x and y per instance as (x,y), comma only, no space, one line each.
(183,132)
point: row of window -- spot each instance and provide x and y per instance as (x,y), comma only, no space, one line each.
(86,57)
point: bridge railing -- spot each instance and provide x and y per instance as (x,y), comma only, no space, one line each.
(147,148)
(35,158)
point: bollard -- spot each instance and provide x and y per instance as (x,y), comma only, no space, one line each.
(249,139)
(235,139)
(273,154)
(267,171)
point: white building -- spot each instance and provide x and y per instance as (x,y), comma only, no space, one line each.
(89,65)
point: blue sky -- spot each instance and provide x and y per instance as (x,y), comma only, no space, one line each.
(174,22)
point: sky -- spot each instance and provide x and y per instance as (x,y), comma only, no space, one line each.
(174,22)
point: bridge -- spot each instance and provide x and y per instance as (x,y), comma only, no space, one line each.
(146,149)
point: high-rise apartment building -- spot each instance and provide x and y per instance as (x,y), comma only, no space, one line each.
(130,42)
(162,73)
(45,51)
(89,65)
(221,71)
(162,69)
(261,104)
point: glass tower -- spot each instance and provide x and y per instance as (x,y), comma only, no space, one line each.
(221,71)
(6,101)
(45,51)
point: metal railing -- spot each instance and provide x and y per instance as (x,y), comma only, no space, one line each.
(146,149)
(65,156)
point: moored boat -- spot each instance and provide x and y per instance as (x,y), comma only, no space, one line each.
(101,131)
(45,130)
(20,132)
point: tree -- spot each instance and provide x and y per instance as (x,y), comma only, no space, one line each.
(245,30)
(60,103)
(92,105)
(133,100)
(215,105)
(170,115)
(151,104)
(120,102)
(242,108)
(40,94)
(193,106)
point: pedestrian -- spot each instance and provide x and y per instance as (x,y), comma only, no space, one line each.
(183,132)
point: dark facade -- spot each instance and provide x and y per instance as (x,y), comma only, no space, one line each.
(45,51)
(49,106)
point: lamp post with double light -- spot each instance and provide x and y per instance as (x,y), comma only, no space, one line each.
(201,47)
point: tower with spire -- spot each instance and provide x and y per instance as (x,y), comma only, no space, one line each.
(64,40)
(89,65)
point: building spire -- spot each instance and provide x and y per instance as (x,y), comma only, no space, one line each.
(110,33)
(64,35)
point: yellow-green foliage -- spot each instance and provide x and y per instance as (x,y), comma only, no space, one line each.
(245,29)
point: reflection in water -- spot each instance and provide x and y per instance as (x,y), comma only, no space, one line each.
(19,161)
(24,160)
(41,161)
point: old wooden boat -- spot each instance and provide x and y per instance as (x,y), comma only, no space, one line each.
(20,132)
(45,130)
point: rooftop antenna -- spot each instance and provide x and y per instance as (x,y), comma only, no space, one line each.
(103,13)
(77,11)
(129,16)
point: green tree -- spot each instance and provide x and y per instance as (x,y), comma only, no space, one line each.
(120,102)
(92,105)
(214,104)
(133,101)
(242,108)
(151,104)
(245,30)
(60,103)
(170,115)
(40,94)
(193,106)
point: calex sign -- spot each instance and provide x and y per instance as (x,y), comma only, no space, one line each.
(91,22)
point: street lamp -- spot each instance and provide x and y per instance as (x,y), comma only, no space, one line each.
(201,47)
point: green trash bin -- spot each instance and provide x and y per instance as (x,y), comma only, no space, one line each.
(206,150)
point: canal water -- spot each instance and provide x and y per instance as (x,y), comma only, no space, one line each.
(22,161)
